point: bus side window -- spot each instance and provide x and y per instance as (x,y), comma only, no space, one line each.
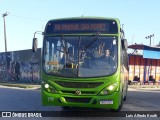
(124,53)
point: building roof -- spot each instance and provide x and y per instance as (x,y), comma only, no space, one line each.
(148,51)
(143,47)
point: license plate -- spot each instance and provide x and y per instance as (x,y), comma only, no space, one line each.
(106,102)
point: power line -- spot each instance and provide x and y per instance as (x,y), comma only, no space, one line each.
(24,17)
(28,18)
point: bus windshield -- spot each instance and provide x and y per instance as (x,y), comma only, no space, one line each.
(80,56)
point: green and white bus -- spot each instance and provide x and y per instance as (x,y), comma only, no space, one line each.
(75,70)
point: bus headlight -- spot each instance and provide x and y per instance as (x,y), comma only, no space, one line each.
(46,86)
(109,89)
(49,88)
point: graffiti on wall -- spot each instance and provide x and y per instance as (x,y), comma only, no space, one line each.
(20,66)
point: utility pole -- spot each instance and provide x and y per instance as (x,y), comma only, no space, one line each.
(5,38)
(150,37)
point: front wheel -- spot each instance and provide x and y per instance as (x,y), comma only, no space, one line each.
(119,107)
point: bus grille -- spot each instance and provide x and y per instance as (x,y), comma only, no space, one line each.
(78,100)
(82,92)
(78,84)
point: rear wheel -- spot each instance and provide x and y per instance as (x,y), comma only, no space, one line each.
(125,97)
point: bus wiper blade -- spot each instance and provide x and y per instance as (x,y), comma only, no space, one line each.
(92,41)
(63,44)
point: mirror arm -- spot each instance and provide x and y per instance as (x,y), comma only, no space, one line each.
(37,32)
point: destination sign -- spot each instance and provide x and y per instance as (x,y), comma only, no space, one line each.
(81,26)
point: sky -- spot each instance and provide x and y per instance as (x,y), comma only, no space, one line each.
(141,18)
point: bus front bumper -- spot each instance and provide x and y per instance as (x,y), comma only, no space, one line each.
(111,101)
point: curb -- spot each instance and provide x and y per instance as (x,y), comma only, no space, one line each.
(144,86)
(25,86)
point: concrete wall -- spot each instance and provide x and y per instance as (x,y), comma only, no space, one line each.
(20,66)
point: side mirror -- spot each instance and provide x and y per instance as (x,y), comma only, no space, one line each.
(124,44)
(34,45)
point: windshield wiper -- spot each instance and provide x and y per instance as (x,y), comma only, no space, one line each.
(91,42)
(64,45)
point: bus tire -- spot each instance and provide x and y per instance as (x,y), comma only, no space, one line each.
(125,97)
(119,107)
(117,110)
